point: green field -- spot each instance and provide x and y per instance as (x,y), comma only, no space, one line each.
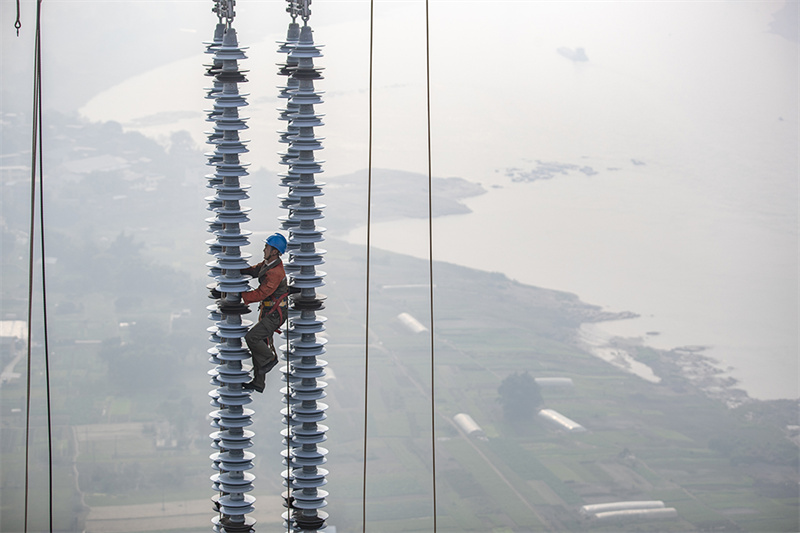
(130,416)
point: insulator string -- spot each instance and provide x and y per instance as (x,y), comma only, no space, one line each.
(304,476)
(230,417)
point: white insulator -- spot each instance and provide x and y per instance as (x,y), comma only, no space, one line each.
(228,375)
(234,460)
(233,482)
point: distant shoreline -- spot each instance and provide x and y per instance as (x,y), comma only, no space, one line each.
(537,233)
(699,370)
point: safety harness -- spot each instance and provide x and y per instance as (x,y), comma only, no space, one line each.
(274,301)
(278,303)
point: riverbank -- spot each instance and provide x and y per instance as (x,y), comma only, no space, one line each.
(632,355)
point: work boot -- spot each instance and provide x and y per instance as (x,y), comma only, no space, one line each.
(258,383)
(252,386)
(271,364)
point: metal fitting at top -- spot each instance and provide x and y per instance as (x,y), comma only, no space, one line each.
(301,8)
(224,10)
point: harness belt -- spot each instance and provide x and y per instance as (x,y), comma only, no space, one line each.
(277,303)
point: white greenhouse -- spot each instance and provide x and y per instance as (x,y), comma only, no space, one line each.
(561,420)
(469,426)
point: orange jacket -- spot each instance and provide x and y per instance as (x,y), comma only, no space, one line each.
(270,278)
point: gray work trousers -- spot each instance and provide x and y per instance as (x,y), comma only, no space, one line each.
(256,340)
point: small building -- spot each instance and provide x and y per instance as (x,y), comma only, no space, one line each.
(562,421)
(469,426)
(636,514)
(12,331)
(595,508)
(13,334)
(554,382)
(411,323)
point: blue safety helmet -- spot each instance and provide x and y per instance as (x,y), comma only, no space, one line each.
(278,242)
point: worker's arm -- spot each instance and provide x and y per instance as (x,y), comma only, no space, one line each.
(252,271)
(267,287)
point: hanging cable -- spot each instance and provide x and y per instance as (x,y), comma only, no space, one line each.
(287,397)
(30,296)
(44,318)
(37,163)
(369,220)
(430,256)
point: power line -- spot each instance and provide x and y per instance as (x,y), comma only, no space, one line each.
(430,257)
(366,325)
(37,164)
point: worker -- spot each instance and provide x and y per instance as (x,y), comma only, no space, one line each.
(271,292)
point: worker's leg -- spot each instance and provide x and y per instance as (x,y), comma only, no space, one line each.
(257,340)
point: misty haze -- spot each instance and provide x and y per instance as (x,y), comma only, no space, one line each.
(615,266)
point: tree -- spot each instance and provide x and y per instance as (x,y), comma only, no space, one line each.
(519,396)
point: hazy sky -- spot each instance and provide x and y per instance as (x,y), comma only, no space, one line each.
(498,85)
